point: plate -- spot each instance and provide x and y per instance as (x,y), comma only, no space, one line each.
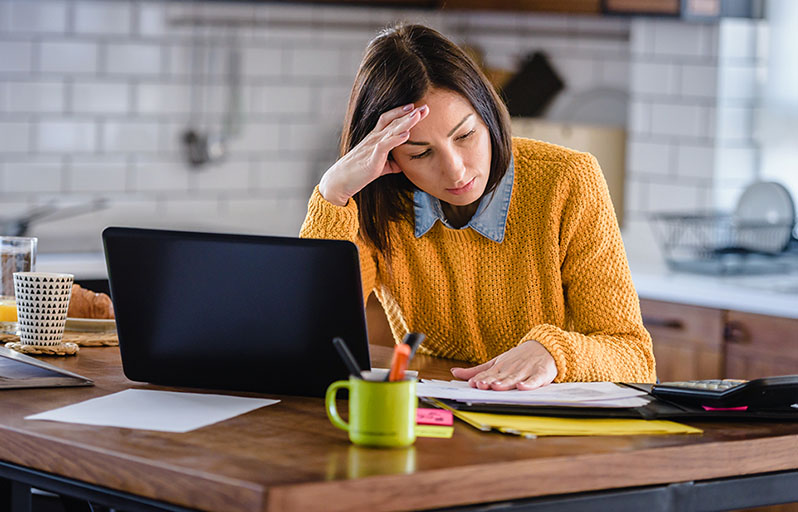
(765,215)
(90,324)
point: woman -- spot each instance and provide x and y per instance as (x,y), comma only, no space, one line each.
(504,252)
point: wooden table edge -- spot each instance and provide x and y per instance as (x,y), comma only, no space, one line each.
(510,480)
(64,457)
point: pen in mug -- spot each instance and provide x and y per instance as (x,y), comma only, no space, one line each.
(413,339)
(401,356)
(346,355)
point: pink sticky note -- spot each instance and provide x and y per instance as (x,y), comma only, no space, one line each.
(433,417)
(707,408)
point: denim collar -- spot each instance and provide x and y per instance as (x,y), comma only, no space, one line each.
(489,220)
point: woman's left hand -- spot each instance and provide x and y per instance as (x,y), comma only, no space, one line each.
(527,366)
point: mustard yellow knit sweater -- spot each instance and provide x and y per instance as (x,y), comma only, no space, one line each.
(560,275)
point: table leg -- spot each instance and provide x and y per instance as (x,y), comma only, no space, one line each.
(14,496)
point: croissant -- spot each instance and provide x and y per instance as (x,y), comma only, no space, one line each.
(88,304)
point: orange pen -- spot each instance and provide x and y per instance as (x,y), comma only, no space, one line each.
(401,356)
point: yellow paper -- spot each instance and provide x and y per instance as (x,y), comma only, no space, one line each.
(439,431)
(553,426)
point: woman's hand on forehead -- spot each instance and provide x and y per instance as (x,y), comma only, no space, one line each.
(370,158)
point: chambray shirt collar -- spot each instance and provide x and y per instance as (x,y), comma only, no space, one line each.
(489,220)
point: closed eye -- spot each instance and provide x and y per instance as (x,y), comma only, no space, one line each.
(427,152)
(467,135)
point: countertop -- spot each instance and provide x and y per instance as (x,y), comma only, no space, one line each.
(775,295)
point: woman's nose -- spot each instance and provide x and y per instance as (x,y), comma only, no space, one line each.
(454,167)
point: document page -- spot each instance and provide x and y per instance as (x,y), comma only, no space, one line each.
(164,411)
(574,394)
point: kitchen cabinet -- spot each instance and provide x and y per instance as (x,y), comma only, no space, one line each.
(561,6)
(692,342)
(759,345)
(688,340)
(686,9)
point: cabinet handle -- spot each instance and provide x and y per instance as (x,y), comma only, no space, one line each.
(664,323)
(735,332)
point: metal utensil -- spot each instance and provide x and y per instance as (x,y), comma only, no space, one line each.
(18,226)
(206,146)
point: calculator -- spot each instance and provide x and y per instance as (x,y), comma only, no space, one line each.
(765,393)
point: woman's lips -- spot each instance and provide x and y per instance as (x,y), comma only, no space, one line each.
(462,190)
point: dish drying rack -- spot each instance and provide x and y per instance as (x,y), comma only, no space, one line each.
(722,244)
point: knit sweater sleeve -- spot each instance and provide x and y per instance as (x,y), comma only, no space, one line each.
(328,221)
(603,338)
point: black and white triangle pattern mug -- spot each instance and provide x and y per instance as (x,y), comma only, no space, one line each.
(42,303)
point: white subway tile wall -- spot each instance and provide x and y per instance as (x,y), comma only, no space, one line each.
(16,56)
(37,17)
(42,174)
(34,97)
(692,94)
(96,95)
(68,57)
(103,17)
(15,137)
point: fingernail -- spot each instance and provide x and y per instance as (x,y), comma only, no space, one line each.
(408,107)
(422,109)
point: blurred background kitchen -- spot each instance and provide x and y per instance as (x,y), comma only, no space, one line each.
(222,116)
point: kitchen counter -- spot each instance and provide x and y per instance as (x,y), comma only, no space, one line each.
(775,295)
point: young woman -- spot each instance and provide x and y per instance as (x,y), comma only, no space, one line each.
(505,252)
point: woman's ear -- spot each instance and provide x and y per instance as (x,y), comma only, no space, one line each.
(393,166)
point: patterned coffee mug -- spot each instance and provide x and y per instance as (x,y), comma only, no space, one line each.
(42,303)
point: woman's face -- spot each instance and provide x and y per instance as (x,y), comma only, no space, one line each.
(448,153)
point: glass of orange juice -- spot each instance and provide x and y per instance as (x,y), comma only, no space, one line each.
(17,254)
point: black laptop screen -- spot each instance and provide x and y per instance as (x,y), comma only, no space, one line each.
(233,311)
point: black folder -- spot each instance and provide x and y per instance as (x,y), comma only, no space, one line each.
(656,409)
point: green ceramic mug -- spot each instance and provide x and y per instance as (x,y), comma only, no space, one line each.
(380,413)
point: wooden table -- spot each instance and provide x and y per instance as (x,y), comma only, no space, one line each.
(288,457)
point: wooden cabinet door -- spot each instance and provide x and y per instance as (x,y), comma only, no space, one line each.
(688,340)
(567,6)
(760,346)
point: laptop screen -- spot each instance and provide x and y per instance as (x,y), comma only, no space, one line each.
(237,312)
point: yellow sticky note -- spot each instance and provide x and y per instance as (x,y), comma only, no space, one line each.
(434,431)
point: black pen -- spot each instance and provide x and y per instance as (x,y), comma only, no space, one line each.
(414,339)
(346,355)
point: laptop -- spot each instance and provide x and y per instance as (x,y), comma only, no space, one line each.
(235,312)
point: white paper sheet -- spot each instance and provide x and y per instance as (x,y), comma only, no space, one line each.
(165,411)
(575,394)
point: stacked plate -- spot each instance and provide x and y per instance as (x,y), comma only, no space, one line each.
(765,217)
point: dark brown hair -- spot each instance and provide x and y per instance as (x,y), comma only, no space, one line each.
(399,67)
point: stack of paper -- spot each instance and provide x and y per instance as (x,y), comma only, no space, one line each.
(568,394)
